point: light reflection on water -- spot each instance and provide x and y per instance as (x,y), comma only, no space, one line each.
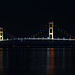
(31,61)
(1,60)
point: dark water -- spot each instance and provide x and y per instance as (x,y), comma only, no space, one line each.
(36,61)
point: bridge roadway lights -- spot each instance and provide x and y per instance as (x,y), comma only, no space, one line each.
(38,39)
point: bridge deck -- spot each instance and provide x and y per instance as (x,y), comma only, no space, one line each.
(36,39)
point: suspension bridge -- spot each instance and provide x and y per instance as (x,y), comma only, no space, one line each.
(48,36)
(49,31)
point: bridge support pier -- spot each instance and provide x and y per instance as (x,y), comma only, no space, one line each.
(51,30)
(1,33)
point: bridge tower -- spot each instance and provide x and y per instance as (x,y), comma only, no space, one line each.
(51,29)
(1,33)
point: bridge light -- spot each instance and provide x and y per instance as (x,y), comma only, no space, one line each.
(47,37)
(52,22)
(67,34)
(49,22)
(70,35)
(63,37)
(58,29)
(7,39)
(14,38)
(40,30)
(69,38)
(61,29)
(18,38)
(25,38)
(38,37)
(58,38)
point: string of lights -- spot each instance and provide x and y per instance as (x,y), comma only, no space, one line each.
(42,30)
(56,28)
(8,34)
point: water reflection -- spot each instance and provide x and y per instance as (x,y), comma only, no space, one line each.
(36,61)
(6,59)
(59,61)
(50,61)
(1,59)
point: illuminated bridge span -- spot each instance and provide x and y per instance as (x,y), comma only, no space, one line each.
(51,29)
(36,39)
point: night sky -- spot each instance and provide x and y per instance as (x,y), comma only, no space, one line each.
(23,18)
